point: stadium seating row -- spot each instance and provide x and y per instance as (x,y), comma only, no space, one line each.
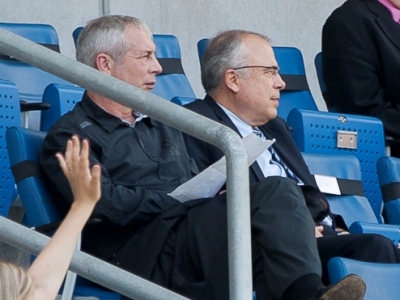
(173,85)
(342,146)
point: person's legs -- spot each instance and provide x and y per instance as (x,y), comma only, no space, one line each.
(284,229)
(282,233)
(363,247)
(186,249)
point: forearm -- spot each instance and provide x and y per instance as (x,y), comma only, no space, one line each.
(120,204)
(49,268)
(124,206)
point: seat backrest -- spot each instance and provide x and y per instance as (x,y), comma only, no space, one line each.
(201,48)
(75,34)
(24,149)
(39,33)
(37,197)
(389,180)
(382,280)
(172,82)
(347,169)
(297,93)
(9,116)
(62,99)
(333,133)
(30,80)
(318,69)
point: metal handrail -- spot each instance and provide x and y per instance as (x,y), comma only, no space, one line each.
(238,204)
(94,269)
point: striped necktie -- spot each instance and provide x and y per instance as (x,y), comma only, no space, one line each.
(275,157)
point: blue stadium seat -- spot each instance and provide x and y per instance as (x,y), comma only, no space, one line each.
(389,180)
(62,99)
(352,207)
(297,93)
(9,116)
(44,34)
(382,280)
(172,82)
(318,69)
(75,34)
(36,195)
(335,133)
(351,204)
(182,100)
(201,48)
(30,80)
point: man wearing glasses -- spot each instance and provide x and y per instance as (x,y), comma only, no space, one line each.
(241,78)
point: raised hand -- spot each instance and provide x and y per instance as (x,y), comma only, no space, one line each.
(85,183)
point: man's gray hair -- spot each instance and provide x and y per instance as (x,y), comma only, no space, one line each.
(225,51)
(106,35)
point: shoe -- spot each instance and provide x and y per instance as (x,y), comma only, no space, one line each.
(352,287)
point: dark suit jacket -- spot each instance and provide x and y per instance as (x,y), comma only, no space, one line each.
(206,154)
(361,62)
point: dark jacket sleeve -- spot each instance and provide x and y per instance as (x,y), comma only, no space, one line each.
(119,204)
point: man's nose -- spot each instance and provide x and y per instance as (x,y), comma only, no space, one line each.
(156,67)
(279,83)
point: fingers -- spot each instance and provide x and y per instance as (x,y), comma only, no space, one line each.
(96,175)
(62,163)
(76,156)
(84,181)
(319,231)
(62,159)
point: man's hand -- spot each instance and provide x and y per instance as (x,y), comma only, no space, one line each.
(318,231)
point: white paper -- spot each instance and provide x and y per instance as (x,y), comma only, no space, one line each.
(327,184)
(207,183)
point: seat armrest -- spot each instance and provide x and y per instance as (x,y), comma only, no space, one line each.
(33,106)
(390,231)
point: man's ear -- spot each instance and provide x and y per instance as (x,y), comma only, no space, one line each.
(232,80)
(104,63)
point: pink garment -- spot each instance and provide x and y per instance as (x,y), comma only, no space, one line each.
(393,10)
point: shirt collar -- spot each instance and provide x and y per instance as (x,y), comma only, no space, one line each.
(244,128)
(106,120)
(393,10)
(138,117)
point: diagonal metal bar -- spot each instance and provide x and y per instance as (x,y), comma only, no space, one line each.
(88,266)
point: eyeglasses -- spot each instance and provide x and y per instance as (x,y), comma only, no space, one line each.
(269,70)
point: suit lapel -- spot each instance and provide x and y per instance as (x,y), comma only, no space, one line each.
(292,159)
(385,21)
(222,118)
(220,115)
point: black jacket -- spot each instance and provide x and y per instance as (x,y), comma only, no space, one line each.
(361,62)
(206,154)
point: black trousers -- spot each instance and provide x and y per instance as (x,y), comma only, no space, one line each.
(186,249)
(363,247)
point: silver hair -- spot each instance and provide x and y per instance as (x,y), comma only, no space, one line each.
(225,51)
(106,35)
